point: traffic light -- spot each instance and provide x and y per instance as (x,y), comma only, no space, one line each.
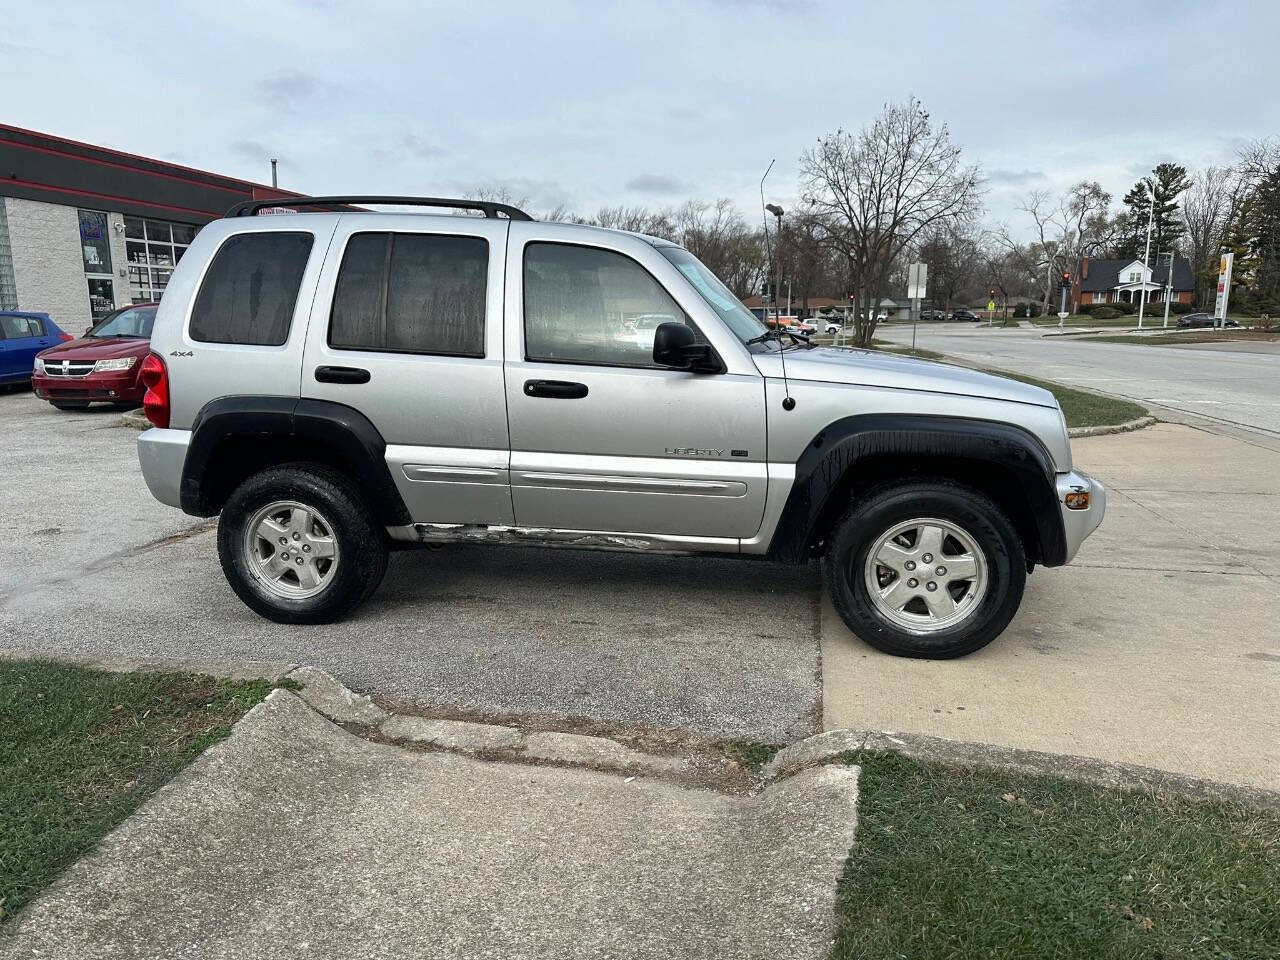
(1066,278)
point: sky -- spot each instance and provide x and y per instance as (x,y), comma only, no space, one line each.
(589,104)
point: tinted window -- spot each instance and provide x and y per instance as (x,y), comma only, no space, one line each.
(18,328)
(250,290)
(411,293)
(587,305)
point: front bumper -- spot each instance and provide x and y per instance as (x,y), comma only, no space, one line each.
(162,454)
(1078,524)
(122,387)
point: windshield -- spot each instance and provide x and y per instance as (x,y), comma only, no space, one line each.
(129,322)
(745,325)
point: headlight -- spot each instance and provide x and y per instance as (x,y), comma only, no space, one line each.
(120,363)
(39,368)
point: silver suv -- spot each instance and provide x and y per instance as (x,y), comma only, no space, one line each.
(336,384)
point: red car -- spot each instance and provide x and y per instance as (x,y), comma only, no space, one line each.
(103,366)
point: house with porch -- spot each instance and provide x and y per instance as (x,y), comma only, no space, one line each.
(1122,281)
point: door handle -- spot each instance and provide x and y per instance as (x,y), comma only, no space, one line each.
(558,389)
(342,375)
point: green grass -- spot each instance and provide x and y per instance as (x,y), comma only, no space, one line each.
(954,864)
(1081,408)
(81,749)
(1084,320)
(1084,409)
(1191,336)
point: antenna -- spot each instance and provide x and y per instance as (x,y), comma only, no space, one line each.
(788,401)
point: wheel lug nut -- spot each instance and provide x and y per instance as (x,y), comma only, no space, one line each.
(299,561)
(910,564)
(283,541)
(928,586)
(306,548)
(913,582)
(942,571)
(927,558)
(284,554)
(297,536)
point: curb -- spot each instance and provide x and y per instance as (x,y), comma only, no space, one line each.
(325,694)
(825,747)
(1127,427)
(135,419)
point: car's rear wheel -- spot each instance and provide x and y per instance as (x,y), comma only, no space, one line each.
(71,404)
(299,545)
(929,569)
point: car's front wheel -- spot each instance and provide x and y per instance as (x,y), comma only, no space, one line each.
(930,569)
(299,545)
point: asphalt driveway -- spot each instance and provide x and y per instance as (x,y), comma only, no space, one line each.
(94,567)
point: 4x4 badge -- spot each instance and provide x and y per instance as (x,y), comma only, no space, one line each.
(182,353)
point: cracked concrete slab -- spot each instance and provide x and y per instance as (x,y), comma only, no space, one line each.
(452,734)
(334,700)
(294,838)
(579,750)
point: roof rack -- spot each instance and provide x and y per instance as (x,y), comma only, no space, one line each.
(490,208)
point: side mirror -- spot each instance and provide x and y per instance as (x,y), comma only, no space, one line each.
(675,346)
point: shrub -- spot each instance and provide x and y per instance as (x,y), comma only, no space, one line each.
(1104,312)
(1182,308)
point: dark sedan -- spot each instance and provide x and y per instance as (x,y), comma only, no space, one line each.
(965,315)
(1192,320)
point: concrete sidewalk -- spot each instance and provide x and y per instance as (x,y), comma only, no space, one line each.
(1159,646)
(294,838)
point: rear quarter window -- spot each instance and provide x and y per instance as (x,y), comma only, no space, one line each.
(250,290)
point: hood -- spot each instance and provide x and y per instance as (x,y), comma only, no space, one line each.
(873,368)
(92,348)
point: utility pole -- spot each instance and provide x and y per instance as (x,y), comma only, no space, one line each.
(274,161)
(1146,255)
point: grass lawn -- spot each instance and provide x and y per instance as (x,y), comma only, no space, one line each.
(1084,320)
(1192,336)
(81,749)
(954,863)
(1081,408)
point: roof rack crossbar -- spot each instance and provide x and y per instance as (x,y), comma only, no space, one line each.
(489,208)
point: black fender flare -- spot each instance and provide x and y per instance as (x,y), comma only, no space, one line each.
(338,427)
(824,468)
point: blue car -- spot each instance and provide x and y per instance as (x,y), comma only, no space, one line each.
(22,336)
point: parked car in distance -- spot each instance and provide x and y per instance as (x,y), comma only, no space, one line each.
(1193,320)
(963,314)
(22,336)
(325,422)
(103,366)
(832,326)
(933,315)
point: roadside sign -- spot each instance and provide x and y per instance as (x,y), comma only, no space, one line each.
(991,306)
(917,277)
(1224,287)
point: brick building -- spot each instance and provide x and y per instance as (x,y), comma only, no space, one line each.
(85,229)
(1122,281)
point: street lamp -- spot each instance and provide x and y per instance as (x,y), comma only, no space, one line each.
(777,290)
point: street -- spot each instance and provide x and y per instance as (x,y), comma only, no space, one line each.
(1220,385)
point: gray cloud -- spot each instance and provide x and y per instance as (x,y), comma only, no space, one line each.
(1015,178)
(656,183)
(290,86)
(255,151)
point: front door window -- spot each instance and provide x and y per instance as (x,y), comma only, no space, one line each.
(95,247)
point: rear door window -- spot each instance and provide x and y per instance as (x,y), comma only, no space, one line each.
(411,293)
(250,290)
(19,328)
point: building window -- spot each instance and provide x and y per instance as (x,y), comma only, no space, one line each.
(8,286)
(1135,276)
(153,248)
(95,248)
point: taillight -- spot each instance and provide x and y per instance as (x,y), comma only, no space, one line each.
(64,336)
(155,403)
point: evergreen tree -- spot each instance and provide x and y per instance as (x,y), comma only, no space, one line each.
(1168,180)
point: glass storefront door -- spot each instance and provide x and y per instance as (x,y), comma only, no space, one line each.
(95,245)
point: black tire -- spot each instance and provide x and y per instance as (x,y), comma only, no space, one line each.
(874,514)
(362,542)
(71,404)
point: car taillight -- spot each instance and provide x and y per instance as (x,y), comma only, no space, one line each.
(155,403)
(64,337)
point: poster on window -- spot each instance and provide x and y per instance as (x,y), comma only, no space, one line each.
(94,242)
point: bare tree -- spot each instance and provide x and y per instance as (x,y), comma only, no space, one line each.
(1209,207)
(954,260)
(880,190)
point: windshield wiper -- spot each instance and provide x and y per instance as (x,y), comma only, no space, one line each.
(775,333)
